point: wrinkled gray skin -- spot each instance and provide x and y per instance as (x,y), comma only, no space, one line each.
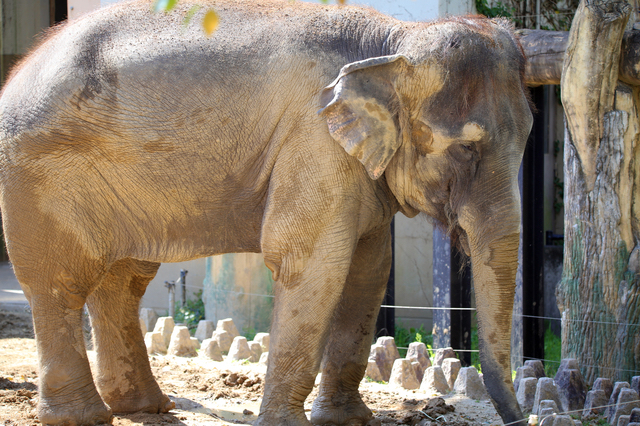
(297,131)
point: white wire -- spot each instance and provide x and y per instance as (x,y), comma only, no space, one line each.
(573,411)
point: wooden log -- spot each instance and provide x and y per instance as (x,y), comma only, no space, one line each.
(545,54)
(590,74)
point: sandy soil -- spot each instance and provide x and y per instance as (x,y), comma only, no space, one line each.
(214,393)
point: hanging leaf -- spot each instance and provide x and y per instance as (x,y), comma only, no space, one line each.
(190,13)
(163,5)
(341,1)
(210,22)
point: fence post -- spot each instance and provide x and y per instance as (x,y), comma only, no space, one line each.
(441,289)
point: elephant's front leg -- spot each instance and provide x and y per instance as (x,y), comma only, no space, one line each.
(307,291)
(123,376)
(352,331)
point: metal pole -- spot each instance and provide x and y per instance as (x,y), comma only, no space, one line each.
(183,286)
(171,285)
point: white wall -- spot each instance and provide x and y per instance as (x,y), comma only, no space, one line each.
(405,10)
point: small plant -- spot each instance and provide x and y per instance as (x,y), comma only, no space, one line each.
(499,10)
(404,337)
(192,312)
(249,332)
(552,350)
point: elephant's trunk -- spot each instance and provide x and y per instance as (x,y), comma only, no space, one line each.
(493,241)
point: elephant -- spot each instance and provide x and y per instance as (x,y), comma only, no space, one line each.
(295,130)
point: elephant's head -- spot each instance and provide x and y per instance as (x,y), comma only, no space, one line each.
(446,120)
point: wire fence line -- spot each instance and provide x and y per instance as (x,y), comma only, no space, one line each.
(439,308)
(568,412)
(446,308)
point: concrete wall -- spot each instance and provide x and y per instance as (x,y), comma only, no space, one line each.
(22,20)
(413,271)
(239,286)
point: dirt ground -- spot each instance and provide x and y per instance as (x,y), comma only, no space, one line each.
(214,393)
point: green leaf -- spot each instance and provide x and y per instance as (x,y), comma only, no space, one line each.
(163,5)
(190,13)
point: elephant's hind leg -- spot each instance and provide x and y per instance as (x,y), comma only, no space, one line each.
(346,353)
(123,376)
(57,294)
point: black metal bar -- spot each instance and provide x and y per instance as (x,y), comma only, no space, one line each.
(385,324)
(460,298)
(533,233)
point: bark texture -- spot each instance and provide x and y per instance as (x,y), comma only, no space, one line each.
(590,73)
(599,294)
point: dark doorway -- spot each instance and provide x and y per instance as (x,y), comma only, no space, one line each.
(57,11)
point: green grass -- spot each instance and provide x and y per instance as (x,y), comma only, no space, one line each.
(552,350)
(404,336)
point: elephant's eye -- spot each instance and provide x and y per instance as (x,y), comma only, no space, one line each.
(463,151)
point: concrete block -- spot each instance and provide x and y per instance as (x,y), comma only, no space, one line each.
(239,349)
(256,351)
(635,383)
(595,398)
(181,344)
(223,338)
(470,384)
(211,350)
(605,385)
(380,355)
(537,366)
(195,343)
(149,317)
(205,330)
(264,358)
(521,373)
(546,409)
(263,339)
(623,420)
(545,390)
(559,420)
(228,325)
(635,416)
(154,341)
(389,343)
(420,352)
(403,375)
(434,380)
(450,368)
(568,364)
(441,354)
(165,326)
(417,367)
(373,371)
(143,327)
(526,393)
(572,389)
(627,401)
(617,387)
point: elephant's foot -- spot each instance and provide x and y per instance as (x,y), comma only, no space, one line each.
(282,417)
(157,403)
(70,412)
(340,408)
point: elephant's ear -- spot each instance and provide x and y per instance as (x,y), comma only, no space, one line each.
(361,110)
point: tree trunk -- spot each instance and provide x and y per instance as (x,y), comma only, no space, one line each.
(599,295)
